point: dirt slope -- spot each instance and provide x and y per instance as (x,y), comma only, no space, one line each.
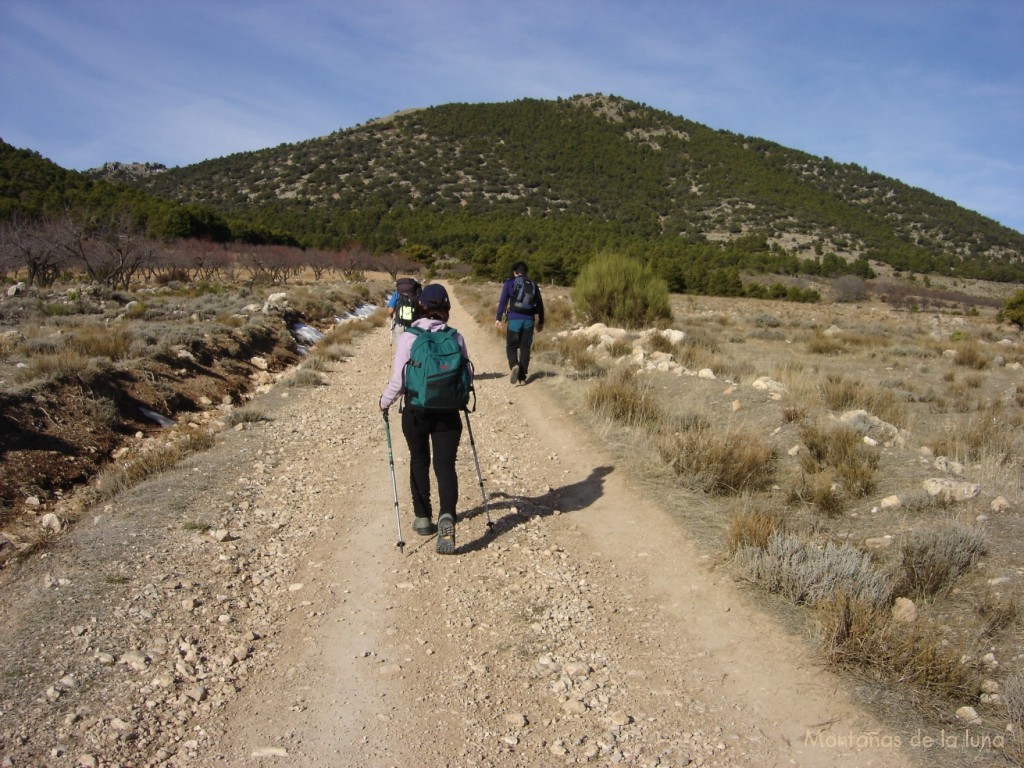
(252,608)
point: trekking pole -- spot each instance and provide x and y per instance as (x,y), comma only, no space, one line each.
(479,475)
(394,483)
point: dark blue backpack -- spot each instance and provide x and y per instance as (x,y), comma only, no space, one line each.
(437,376)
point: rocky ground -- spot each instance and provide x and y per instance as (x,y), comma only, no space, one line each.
(252,607)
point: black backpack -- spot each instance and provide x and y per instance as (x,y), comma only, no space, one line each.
(524,295)
(408,293)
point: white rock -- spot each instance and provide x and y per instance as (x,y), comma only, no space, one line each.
(270,752)
(515,719)
(904,610)
(999,504)
(135,660)
(969,715)
(51,522)
(954,490)
(620,718)
(770,385)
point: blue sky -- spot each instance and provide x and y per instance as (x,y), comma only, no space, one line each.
(927,91)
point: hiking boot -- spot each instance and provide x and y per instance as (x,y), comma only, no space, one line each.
(424,526)
(446,535)
(513,377)
(522,379)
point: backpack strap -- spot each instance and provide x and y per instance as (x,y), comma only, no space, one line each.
(415,332)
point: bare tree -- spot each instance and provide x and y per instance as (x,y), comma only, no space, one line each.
(33,245)
(322,261)
(850,288)
(118,250)
(393,263)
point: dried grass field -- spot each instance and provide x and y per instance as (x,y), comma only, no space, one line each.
(859,466)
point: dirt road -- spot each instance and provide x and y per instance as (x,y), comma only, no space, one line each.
(252,608)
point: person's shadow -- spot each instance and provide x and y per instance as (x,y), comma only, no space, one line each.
(518,509)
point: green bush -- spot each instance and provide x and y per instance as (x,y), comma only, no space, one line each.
(620,291)
(1013,309)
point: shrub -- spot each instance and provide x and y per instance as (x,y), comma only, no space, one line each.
(840,394)
(850,288)
(247,415)
(620,291)
(987,434)
(1013,696)
(117,479)
(820,489)
(753,528)
(304,377)
(719,460)
(932,560)
(970,354)
(569,351)
(862,633)
(1013,310)
(839,448)
(622,397)
(820,344)
(808,573)
(998,611)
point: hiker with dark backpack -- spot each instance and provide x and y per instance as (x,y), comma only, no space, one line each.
(522,307)
(433,373)
(402,305)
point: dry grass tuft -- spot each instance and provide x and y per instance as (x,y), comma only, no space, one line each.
(990,435)
(997,610)
(304,377)
(840,393)
(861,633)
(570,352)
(821,490)
(840,449)
(753,527)
(719,460)
(117,479)
(820,344)
(247,415)
(624,397)
(932,560)
(971,355)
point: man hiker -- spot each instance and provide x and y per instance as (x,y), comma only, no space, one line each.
(402,305)
(522,307)
(427,427)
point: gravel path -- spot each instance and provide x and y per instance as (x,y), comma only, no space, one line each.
(252,608)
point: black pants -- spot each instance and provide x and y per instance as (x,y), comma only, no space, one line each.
(442,430)
(517,347)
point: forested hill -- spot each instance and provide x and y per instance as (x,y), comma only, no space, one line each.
(558,181)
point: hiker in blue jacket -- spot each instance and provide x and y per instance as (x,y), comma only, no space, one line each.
(522,307)
(441,430)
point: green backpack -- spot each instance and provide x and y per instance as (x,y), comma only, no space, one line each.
(437,376)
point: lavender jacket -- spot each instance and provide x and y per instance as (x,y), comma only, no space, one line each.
(402,349)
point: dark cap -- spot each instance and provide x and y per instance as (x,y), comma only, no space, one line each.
(434,296)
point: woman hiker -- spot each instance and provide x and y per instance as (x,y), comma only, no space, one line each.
(423,430)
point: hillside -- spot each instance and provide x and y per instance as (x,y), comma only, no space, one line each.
(560,180)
